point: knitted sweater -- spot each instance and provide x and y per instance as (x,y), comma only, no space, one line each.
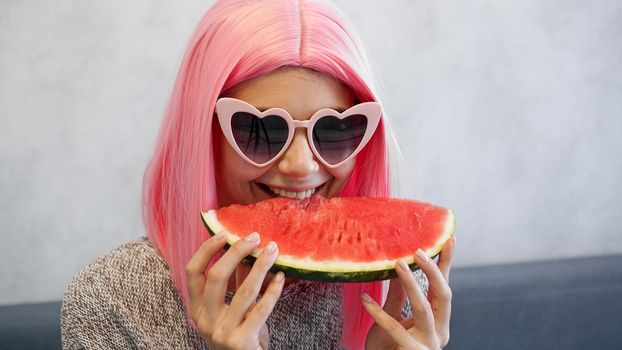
(126,299)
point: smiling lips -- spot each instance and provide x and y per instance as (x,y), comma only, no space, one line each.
(292,195)
(280,192)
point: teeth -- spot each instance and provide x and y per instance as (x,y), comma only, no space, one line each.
(293,195)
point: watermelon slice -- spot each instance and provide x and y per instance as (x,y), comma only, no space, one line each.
(343,239)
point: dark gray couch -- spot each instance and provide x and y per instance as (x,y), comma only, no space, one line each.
(570,304)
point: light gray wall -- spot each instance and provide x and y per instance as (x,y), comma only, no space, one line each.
(508,112)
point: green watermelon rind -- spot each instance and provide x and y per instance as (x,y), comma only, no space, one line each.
(334,271)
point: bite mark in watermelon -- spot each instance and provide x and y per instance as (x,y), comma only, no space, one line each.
(342,239)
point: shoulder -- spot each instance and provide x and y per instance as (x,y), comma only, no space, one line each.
(117,295)
(132,256)
(136,257)
(122,270)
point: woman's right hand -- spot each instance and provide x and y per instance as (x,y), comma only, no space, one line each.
(242,323)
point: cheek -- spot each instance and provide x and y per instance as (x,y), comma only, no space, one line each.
(342,173)
(234,178)
(233,170)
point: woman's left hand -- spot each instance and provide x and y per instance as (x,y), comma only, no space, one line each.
(429,326)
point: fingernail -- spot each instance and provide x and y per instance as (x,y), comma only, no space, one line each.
(366,298)
(422,255)
(402,265)
(219,236)
(253,237)
(279,276)
(270,248)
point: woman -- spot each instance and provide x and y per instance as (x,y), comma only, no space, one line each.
(176,289)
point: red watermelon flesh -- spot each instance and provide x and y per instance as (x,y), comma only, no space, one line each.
(339,239)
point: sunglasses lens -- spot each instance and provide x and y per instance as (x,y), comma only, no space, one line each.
(260,139)
(336,139)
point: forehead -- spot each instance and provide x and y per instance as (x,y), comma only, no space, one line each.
(300,91)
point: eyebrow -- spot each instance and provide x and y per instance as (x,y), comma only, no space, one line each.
(338,109)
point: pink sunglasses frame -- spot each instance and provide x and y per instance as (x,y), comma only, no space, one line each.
(226,107)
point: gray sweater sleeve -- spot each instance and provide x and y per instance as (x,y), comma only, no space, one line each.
(126,300)
(88,320)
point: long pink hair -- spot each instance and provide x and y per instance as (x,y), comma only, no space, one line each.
(237,40)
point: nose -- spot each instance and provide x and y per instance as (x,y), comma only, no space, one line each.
(298,160)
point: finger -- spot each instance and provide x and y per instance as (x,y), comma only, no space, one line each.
(264,337)
(447,254)
(263,308)
(421,309)
(195,268)
(219,274)
(408,323)
(246,295)
(395,299)
(389,324)
(439,293)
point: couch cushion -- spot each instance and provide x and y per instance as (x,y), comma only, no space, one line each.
(30,326)
(564,304)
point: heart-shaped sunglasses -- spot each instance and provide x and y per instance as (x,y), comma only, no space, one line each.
(262,137)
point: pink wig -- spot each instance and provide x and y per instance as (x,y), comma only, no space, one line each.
(235,41)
